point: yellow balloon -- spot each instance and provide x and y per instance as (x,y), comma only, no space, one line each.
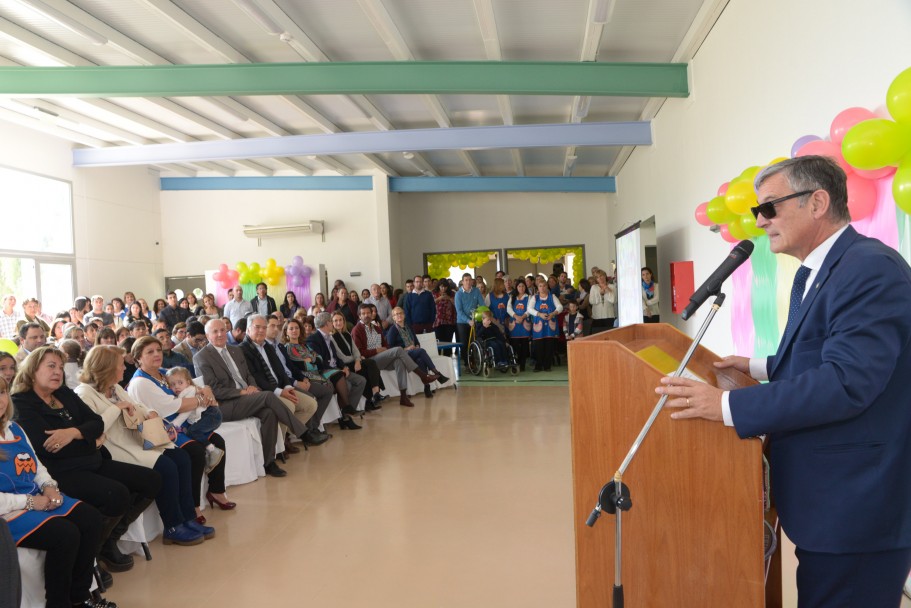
(8,346)
(777,160)
(740,197)
(737,230)
(877,143)
(749,174)
(748,224)
(901,186)
(898,98)
(718,212)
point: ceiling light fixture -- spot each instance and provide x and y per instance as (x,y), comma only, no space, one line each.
(408,155)
(65,21)
(602,11)
(255,12)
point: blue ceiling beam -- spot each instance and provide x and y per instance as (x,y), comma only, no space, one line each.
(372,142)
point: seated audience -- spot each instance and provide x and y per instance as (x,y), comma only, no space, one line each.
(380,300)
(344,305)
(193,342)
(197,424)
(307,400)
(491,336)
(224,368)
(400,335)
(149,387)
(319,305)
(349,387)
(209,308)
(68,438)
(157,306)
(36,515)
(101,392)
(97,312)
(106,336)
(169,357)
(238,332)
(8,367)
(352,359)
(193,307)
(72,357)
(31,314)
(370,341)
(173,314)
(31,336)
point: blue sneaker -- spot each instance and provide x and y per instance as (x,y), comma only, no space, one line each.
(207,532)
(181,535)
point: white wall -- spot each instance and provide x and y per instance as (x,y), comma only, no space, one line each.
(115,213)
(451,221)
(204,229)
(768,73)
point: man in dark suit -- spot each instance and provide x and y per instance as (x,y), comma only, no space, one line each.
(320,342)
(836,408)
(225,371)
(308,402)
(263,303)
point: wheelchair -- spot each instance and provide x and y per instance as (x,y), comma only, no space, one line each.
(481,358)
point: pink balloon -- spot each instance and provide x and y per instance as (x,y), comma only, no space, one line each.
(723,188)
(702,215)
(801,142)
(875,174)
(726,234)
(826,148)
(232,275)
(861,197)
(847,119)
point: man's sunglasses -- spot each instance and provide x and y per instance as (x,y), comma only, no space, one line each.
(767,209)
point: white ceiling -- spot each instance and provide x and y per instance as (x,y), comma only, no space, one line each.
(161,32)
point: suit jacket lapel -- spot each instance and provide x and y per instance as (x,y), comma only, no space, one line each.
(838,250)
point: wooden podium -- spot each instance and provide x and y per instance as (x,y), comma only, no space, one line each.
(694,536)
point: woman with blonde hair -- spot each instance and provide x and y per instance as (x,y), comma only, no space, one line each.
(103,369)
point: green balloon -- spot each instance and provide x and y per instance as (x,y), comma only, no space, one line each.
(718,211)
(874,144)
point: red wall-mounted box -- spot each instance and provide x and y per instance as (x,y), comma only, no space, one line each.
(682,285)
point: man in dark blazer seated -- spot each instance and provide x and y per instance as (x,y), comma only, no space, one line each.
(836,409)
(224,370)
(308,402)
(262,302)
(320,342)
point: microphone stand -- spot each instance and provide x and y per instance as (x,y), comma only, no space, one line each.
(615,496)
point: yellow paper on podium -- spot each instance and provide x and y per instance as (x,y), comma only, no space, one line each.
(664,363)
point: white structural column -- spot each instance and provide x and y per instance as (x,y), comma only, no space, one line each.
(383,226)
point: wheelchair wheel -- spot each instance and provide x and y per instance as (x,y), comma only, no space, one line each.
(475,358)
(515,370)
(486,370)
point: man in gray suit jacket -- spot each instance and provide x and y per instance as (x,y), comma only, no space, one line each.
(224,369)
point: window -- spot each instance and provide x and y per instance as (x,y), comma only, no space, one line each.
(37,255)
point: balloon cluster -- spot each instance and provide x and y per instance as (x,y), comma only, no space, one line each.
(225,277)
(867,147)
(879,146)
(297,274)
(438,265)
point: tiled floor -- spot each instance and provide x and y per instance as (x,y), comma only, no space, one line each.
(463,501)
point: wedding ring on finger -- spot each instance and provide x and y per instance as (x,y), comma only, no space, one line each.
(687,401)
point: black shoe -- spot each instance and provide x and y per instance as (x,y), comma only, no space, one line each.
(441,378)
(96,601)
(373,405)
(274,470)
(113,559)
(427,392)
(350,410)
(107,581)
(314,437)
(380,397)
(347,423)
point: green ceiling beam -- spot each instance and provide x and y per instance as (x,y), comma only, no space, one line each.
(392,77)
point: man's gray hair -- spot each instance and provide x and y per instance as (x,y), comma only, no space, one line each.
(322,319)
(814,173)
(255,316)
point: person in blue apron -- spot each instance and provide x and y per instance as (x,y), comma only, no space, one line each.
(40,517)
(544,308)
(519,322)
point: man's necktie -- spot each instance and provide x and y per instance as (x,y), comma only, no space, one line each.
(800,284)
(268,368)
(232,369)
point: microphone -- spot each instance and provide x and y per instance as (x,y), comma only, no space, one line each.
(712,285)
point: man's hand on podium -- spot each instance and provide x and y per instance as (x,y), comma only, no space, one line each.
(741,364)
(695,399)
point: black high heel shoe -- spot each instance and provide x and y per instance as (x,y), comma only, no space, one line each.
(347,423)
